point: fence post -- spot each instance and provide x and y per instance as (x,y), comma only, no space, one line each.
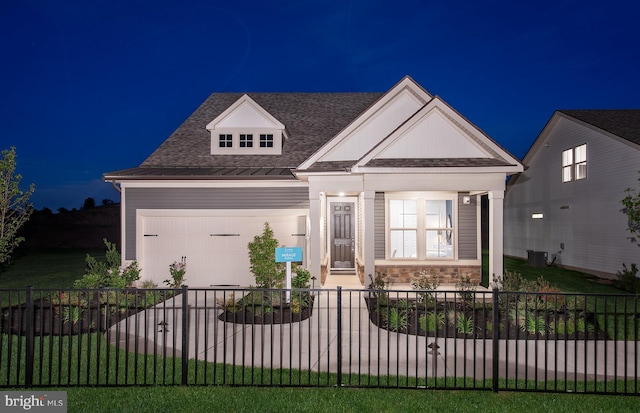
(496,339)
(28,373)
(185,335)
(339,336)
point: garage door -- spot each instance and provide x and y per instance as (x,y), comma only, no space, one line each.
(215,247)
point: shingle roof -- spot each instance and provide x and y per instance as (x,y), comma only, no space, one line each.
(311,120)
(202,173)
(624,123)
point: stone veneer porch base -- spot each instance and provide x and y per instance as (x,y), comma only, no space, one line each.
(447,274)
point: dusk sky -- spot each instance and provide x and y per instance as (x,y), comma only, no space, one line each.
(89,87)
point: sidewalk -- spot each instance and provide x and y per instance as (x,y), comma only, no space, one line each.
(365,349)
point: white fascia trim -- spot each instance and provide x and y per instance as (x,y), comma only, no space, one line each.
(218,213)
(213,184)
(237,104)
(511,169)
(405,83)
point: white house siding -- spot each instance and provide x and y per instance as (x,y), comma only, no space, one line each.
(585,214)
(267,198)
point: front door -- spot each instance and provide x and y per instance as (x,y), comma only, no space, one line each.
(342,235)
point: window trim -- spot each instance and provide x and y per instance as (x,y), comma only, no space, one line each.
(247,142)
(225,140)
(571,168)
(421,229)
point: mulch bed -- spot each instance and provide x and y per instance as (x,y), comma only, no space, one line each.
(282,314)
(481,318)
(63,319)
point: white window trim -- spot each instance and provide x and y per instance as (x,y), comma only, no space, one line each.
(256,149)
(572,166)
(421,197)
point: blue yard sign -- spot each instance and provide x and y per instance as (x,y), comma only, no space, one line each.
(289,254)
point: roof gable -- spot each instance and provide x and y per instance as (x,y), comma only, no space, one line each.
(373,125)
(245,113)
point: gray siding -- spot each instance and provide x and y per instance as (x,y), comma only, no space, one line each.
(467,229)
(379,228)
(206,198)
(584,215)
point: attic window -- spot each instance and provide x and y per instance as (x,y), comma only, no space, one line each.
(246,140)
(266,140)
(225,140)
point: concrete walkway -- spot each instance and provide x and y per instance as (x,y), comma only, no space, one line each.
(364,349)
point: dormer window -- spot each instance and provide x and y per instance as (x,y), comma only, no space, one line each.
(246,128)
(266,140)
(246,140)
(225,140)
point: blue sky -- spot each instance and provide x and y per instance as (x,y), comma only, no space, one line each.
(88,87)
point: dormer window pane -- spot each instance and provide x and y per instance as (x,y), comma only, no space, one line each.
(246,140)
(266,140)
(225,140)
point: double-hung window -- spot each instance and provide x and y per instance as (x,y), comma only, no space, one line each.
(574,163)
(421,228)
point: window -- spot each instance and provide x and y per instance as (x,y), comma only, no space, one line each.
(421,228)
(574,163)
(246,141)
(266,140)
(439,228)
(403,226)
(225,140)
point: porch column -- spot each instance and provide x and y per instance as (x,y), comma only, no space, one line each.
(496,240)
(314,236)
(369,250)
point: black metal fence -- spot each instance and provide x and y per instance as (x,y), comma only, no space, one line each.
(321,337)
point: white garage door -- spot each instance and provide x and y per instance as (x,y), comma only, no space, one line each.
(215,247)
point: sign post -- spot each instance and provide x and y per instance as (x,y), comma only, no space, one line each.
(288,255)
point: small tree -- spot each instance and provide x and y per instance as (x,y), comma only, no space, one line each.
(89,203)
(15,208)
(262,250)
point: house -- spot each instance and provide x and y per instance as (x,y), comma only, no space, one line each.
(567,201)
(362,182)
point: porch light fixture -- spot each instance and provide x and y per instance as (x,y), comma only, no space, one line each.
(537,215)
(340,193)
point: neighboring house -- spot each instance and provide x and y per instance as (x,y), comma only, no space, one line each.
(363,182)
(567,201)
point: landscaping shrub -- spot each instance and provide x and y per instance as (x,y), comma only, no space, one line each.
(108,273)
(267,272)
(628,279)
(425,284)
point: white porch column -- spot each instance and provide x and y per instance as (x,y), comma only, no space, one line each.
(369,234)
(315,216)
(496,240)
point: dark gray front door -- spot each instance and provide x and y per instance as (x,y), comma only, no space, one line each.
(342,235)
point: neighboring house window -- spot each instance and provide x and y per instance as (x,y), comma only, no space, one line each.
(225,140)
(574,163)
(246,141)
(421,228)
(266,140)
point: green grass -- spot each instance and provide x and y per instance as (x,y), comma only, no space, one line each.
(46,269)
(564,279)
(234,399)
